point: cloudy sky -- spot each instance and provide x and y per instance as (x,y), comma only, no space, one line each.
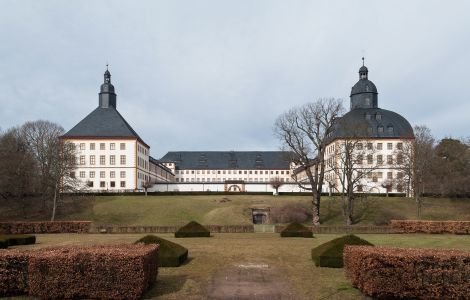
(214,75)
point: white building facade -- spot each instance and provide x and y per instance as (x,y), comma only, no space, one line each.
(110,154)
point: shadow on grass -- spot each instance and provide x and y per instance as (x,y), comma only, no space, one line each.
(166,284)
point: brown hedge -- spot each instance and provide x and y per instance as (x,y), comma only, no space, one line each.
(385,273)
(414,226)
(97,272)
(13,272)
(45,227)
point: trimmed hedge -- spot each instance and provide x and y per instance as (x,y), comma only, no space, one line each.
(330,254)
(297,230)
(3,243)
(385,273)
(18,239)
(96,272)
(13,272)
(45,227)
(170,254)
(415,226)
(192,229)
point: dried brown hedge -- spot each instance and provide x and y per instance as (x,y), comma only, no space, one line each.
(97,272)
(383,273)
(13,272)
(414,226)
(45,227)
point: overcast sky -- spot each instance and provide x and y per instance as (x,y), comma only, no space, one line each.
(214,75)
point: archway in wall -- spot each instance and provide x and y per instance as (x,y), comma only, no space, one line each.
(234,186)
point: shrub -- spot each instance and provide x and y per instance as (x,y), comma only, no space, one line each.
(192,229)
(385,216)
(13,272)
(290,212)
(330,254)
(19,239)
(3,243)
(169,254)
(97,272)
(385,273)
(45,227)
(414,226)
(296,230)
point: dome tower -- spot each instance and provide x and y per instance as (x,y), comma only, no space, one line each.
(107,96)
(364,93)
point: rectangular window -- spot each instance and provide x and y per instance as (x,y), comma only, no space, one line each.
(400,146)
(112,174)
(112,146)
(102,174)
(92,159)
(92,146)
(112,184)
(102,184)
(399,159)
(359,159)
(72,174)
(389,146)
(82,159)
(389,175)
(92,174)
(389,159)
(102,146)
(122,146)
(359,146)
(123,159)
(82,174)
(90,183)
(370,159)
(123,174)
(112,159)
(379,146)
(82,146)
(379,159)
(369,146)
(102,160)
(123,184)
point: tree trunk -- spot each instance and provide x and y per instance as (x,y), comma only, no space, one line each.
(350,209)
(316,210)
(54,203)
(418,206)
(145,192)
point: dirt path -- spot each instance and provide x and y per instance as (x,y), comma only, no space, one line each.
(250,281)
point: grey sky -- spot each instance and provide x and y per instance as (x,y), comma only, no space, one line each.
(214,75)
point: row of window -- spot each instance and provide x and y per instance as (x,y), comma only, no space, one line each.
(104,184)
(370,160)
(102,174)
(102,146)
(142,163)
(102,159)
(230,172)
(142,150)
(379,146)
(224,179)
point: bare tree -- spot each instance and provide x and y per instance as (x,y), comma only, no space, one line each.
(147,185)
(352,163)
(305,131)
(387,185)
(276,183)
(55,159)
(415,160)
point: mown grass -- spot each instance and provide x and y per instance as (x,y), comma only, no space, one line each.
(179,210)
(210,256)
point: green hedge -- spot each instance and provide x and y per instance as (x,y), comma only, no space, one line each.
(3,243)
(330,254)
(192,229)
(296,230)
(17,239)
(169,254)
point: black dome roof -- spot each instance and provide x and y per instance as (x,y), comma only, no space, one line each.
(372,123)
(364,86)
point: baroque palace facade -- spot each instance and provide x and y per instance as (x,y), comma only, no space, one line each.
(111,156)
(378,139)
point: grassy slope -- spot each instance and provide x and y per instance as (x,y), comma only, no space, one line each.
(178,210)
(291,257)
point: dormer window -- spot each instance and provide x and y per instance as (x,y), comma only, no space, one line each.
(380,129)
(390,129)
(368,101)
(367,116)
(378,117)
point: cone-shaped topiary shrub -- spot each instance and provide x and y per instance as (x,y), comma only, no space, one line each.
(296,230)
(330,254)
(192,229)
(169,254)
(20,239)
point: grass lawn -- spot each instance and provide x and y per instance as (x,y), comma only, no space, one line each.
(289,257)
(179,210)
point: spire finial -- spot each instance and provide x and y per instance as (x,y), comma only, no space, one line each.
(108,65)
(363,61)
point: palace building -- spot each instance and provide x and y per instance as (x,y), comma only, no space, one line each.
(111,156)
(378,137)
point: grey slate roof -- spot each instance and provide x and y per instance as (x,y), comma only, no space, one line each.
(214,160)
(103,122)
(364,86)
(355,123)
